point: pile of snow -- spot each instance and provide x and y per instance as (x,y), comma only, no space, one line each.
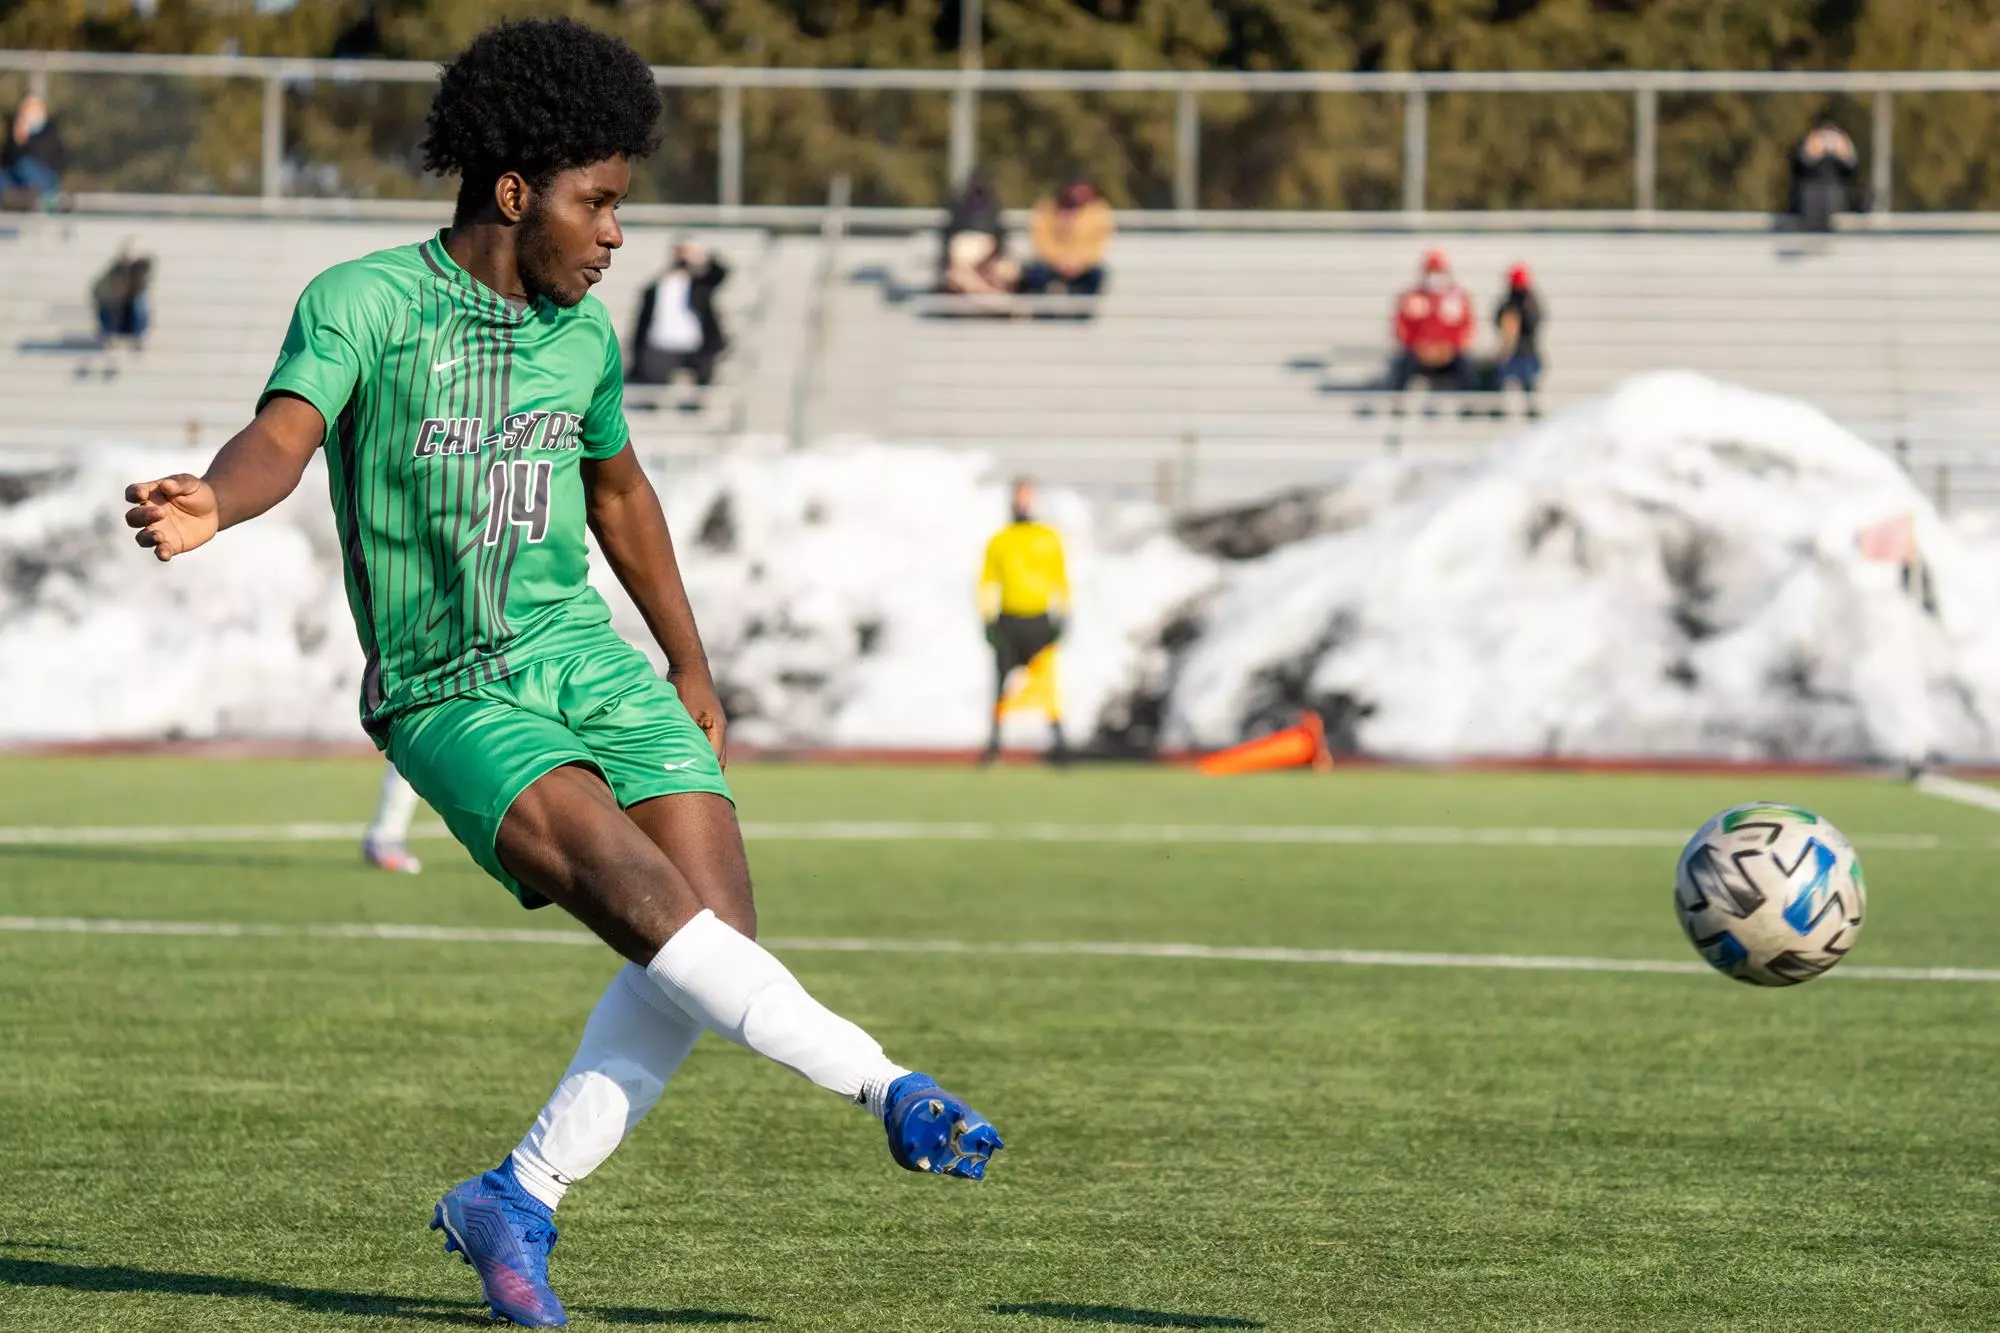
(250,637)
(1673,569)
(835,591)
(1670,570)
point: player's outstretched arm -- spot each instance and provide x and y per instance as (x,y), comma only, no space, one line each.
(261,465)
(625,514)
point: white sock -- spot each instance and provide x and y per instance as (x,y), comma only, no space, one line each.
(728,983)
(394,811)
(631,1046)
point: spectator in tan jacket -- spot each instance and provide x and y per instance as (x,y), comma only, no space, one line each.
(1071,231)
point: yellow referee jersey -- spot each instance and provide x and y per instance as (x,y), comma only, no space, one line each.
(1024,573)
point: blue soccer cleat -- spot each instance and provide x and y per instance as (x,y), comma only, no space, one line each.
(506,1234)
(931,1130)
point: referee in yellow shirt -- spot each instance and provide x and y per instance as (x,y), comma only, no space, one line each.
(1024,598)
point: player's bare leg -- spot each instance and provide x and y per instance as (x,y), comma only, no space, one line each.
(566,838)
(636,1037)
(699,834)
(692,966)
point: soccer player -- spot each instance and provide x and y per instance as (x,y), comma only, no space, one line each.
(386,844)
(1024,598)
(468,395)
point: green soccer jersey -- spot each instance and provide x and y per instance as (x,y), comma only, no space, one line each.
(457,423)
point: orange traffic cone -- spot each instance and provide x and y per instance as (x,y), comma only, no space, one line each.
(1295,746)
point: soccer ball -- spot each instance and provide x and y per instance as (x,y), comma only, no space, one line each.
(1770,894)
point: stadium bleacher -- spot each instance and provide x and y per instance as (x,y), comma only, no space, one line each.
(1251,351)
(1221,365)
(222,294)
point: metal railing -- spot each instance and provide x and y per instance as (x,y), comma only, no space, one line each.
(967,84)
(807,375)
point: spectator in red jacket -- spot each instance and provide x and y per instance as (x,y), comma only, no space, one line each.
(1434,326)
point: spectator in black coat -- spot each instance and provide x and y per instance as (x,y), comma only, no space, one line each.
(976,210)
(119,294)
(31,157)
(1518,320)
(1823,168)
(678,327)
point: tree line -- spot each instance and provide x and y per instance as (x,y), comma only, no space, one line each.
(1339,151)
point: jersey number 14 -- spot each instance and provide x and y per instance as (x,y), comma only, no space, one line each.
(517,495)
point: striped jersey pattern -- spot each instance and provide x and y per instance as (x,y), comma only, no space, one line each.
(457,426)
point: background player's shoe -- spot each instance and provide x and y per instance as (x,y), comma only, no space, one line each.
(393,857)
(506,1234)
(931,1130)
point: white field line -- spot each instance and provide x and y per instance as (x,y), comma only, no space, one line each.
(1337,835)
(1957,789)
(133,835)
(76,925)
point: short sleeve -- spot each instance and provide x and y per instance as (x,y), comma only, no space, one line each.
(337,316)
(604,428)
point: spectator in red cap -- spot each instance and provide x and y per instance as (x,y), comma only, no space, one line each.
(1519,359)
(1433,329)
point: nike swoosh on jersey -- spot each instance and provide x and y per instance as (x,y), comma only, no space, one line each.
(673,768)
(440,367)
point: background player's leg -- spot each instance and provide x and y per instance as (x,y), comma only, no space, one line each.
(385,844)
(1005,659)
(999,696)
(1038,652)
(698,832)
(566,838)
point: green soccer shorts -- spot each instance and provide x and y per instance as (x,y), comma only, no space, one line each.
(603,707)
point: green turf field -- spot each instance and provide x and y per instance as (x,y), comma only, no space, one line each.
(204,1133)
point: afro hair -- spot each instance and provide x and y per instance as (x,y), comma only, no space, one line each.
(538,96)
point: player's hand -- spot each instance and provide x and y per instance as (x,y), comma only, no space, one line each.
(704,705)
(173,515)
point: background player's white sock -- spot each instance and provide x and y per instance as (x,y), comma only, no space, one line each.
(636,1038)
(729,983)
(395,809)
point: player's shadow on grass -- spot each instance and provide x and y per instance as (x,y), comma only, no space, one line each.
(620,1314)
(12,1243)
(118,1278)
(1122,1314)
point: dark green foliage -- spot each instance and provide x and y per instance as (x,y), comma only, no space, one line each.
(1716,151)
